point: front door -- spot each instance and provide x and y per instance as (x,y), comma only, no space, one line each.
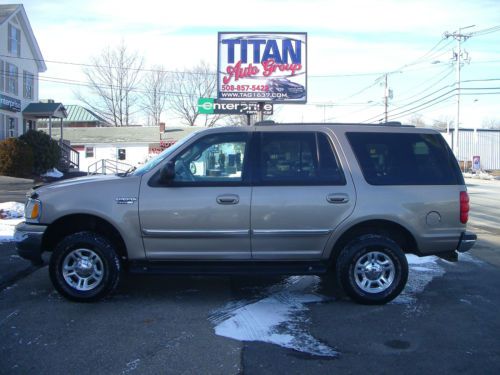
(204,213)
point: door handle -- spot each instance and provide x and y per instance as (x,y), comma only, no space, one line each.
(228,199)
(337,198)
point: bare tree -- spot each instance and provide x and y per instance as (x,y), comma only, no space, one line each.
(418,121)
(113,79)
(187,87)
(155,86)
(239,120)
(443,123)
(491,123)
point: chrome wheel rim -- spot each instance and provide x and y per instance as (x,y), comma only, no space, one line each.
(83,269)
(374,272)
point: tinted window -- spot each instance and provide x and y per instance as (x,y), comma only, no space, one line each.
(405,159)
(298,159)
(213,159)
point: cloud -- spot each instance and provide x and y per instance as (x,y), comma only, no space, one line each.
(359,36)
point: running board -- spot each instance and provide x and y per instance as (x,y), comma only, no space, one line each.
(227,268)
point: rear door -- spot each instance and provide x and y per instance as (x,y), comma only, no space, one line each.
(300,194)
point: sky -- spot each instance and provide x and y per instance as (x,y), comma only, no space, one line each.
(351,45)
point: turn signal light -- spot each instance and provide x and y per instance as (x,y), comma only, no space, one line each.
(32,209)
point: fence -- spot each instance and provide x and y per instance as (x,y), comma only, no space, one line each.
(481,142)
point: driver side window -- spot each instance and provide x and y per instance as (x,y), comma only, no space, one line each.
(212,159)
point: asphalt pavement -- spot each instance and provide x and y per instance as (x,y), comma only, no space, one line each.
(14,189)
(163,325)
(445,322)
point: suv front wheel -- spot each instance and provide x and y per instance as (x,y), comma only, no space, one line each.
(84,267)
(373,269)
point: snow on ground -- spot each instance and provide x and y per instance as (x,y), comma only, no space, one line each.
(11,214)
(422,270)
(54,172)
(279,315)
(278,318)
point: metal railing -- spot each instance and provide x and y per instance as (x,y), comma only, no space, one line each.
(70,158)
(108,166)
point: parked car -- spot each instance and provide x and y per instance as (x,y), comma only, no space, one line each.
(327,199)
(286,88)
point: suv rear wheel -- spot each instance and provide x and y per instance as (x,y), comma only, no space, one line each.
(84,267)
(372,269)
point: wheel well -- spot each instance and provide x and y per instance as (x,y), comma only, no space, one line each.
(67,225)
(396,232)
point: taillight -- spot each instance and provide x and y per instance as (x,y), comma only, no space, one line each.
(464,207)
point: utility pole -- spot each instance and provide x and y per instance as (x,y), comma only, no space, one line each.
(386,99)
(388,94)
(458,36)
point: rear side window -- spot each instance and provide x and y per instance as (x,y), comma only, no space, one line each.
(297,158)
(405,159)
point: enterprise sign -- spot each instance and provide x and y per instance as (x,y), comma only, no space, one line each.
(10,104)
(211,106)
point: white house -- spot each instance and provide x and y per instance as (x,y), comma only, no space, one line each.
(20,64)
(132,145)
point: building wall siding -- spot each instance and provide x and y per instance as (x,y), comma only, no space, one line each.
(26,63)
(483,143)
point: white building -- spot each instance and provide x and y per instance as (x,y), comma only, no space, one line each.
(106,146)
(20,64)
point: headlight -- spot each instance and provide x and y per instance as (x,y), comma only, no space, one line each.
(33,209)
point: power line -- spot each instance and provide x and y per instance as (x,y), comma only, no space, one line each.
(425,103)
(340,75)
(434,102)
(434,106)
(487,31)
(448,71)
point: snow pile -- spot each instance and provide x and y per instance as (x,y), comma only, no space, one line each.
(279,318)
(11,214)
(422,270)
(278,315)
(53,173)
(479,175)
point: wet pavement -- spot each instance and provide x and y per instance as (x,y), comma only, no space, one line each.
(445,321)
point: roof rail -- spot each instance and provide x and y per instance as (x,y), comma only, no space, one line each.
(265,123)
(391,123)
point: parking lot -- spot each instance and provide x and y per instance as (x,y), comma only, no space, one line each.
(446,321)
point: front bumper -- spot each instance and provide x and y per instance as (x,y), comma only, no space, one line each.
(28,239)
(467,240)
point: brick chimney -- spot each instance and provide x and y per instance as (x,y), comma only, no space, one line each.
(162,127)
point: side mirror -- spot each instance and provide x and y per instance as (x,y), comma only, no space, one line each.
(167,173)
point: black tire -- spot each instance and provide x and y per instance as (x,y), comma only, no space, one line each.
(382,270)
(85,267)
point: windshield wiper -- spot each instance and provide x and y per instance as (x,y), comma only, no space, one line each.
(127,172)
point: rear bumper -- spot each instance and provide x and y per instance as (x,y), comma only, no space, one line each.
(28,239)
(467,240)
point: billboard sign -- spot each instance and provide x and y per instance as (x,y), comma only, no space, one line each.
(211,106)
(262,67)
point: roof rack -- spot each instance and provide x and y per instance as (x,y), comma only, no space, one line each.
(389,123)
(265,123)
